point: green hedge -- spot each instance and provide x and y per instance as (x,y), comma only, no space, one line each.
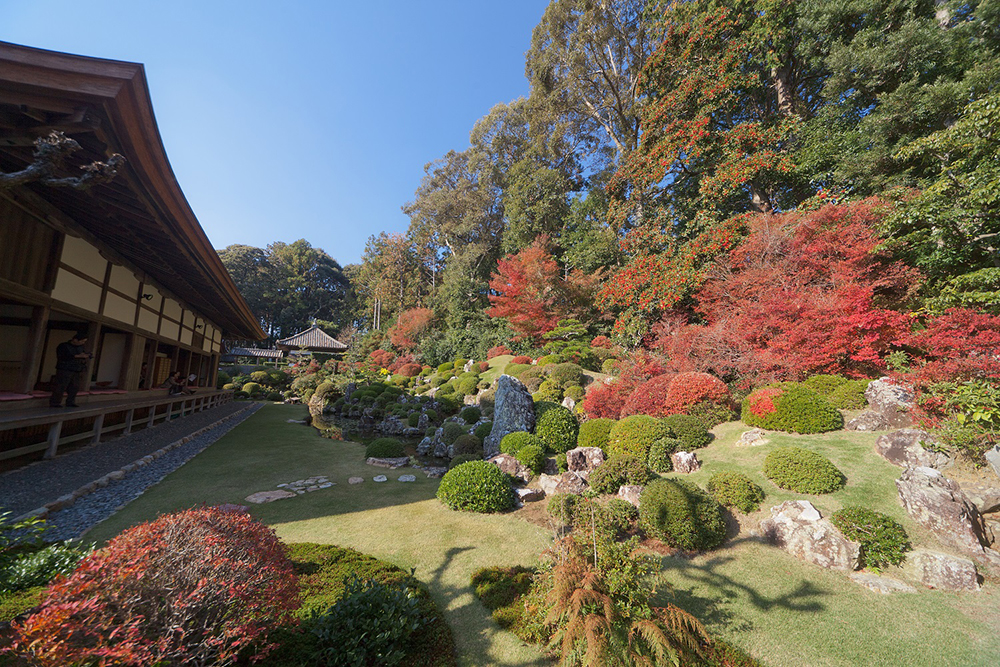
(595,433)
(618,471)
(635,434)
(689,430)
(796,409)
(476,486)
(802,471)
(883,541)
(385,448)
(557,428)
(681,514)
(734,489)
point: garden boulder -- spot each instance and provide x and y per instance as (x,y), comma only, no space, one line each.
(939,504)
(892,401)
(755,437)
(513,411)
(631,493)
(584,459)
(993,458)
(568,482)
(942,571)
(869,420)
(905,448)
(878,584)
(798,528)
(685,462)
(512,467)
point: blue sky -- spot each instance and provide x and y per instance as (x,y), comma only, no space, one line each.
(301,119)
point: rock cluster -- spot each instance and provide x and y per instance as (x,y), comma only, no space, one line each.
(906,448)
(685,462)
(798,528)
(892,401)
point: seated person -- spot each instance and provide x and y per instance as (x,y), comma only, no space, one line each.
(173,384)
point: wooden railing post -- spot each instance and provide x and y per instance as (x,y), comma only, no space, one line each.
(98,427)
(128,421)
(54,432)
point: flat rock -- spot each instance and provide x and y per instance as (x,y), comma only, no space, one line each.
(753,438)
(584,459)
(568,482)
(685,462)
(631,493)
(869,420)
(529,495)
(233,508)
(942,571)
(512,467)
(905,447)
(262,497)
(435,472)
(407,478)
(355,480)
(513,410)
(797,527)
(380,478)
(883,585)
(399,462)
(986,497)
(893,401)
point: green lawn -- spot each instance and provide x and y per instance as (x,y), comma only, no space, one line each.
(783,611)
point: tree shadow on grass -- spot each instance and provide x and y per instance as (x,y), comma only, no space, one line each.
(712,609)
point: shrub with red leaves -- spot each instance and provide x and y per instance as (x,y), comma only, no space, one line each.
(521,360)
(381,359)
(196,587)
(498,350)
(961,344)
(484,366)
(608,400)
(410,370)
(602,342)
(761,402)
(671,394)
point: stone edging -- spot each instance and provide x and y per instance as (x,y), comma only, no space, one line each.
(65,501)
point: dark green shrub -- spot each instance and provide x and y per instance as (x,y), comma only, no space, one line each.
(533,457)
(635,434)
(532,378)
(449,404)
(561,462)
(574,391)
(413,419)
(446,389)
(384,448)
(557,428)
(471,414)
(824,385)
(476,486)
(512,443)
(437,381)
(562,507)
(548,390)
(790,407)
(594,433)
(711,414)
(618,471)
(468,444)
(850,395)
(660,451)
(463,458)
(688,430)
(432,415)
(446,367)
(274,396)
(451,433)
(681,514)
(483,430)
(620,515)
(566,374)
(243,394)
(515,370)
(370,625)
(466,386)
(883,541)
(734,489)
(430,432)
(802,471)
(460,364)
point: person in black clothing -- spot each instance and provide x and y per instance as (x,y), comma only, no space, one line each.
(71,362)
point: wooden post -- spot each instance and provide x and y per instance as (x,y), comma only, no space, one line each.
(152,416)
(98,427)
(93,336)
(128,421)
(35,348)
(54,432)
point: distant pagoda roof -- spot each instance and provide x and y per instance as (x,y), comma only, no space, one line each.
(254,352)
(314,339)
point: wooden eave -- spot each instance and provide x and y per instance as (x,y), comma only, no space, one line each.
(142,215)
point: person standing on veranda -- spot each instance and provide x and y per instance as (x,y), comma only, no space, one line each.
(71,362)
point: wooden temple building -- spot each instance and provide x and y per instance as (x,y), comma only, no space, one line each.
(124,259)
(312,339)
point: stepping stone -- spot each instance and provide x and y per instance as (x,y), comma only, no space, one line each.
(312,488)
(407,478)
(355,480)
(380,478)
(262,497)
(529,495)
(326,485)
(884,585)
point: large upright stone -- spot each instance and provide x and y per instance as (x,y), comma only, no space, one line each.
(797,527)
(905,448)
(513,411)
(584,459)
(892,401)
(993,458)
(942,571)
(939,504)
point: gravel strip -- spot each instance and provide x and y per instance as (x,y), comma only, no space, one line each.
(32,486)
(89,510)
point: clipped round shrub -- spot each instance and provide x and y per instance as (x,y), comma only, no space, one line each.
(533,457)
(521,359)
(252,388)
(432,415)
(824,385)
(562,462)
(444,390)
(512,443)
(448,404)
(243,394)
(466,385)
(802,471)
(711,415)
(195,587)
(688,430)
(681,514)
(659,454)
(471,414)
(734,489)
(790,407)
(557,428)
(618,471)
(446,367)
(410,370)
(532,377)
(515,369)
(452,432)
(574,391)
(548,390)
(566,374)
(385,448)
(463,458)
(549,359)
(476,486)
(883,541)
(594,433)
(562,507)
(275,396)
(636,434)
(229,386)
(460,364)
(483,430)
(468,444)
(622,512)
(263,377)
(850,395)
(413,419)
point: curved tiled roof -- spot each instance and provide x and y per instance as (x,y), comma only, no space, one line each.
(312,338)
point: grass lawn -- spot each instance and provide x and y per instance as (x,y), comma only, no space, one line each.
(402,523)
(787,612)
(783,611)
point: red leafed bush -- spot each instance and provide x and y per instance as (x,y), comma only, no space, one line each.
(961,344)
(761,402)
(671,394)
(484,366)
(400,361)
(196,587)
(411,325)
(498,350)
(410,370)
(601,341)
(521,360)
(381,359)
(608,400)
